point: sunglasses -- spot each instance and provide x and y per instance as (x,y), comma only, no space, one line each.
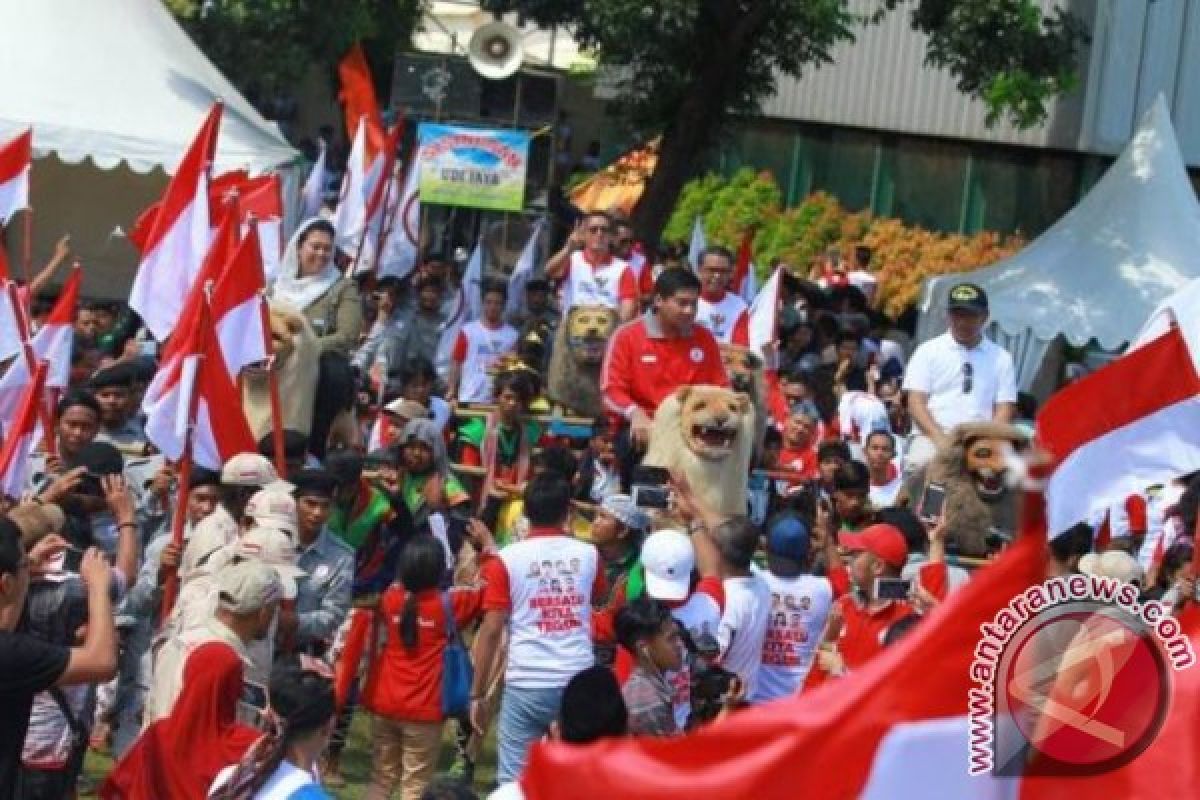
(599,229)
(968,377)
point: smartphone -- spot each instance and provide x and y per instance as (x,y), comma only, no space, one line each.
(932,501)
(892,588)
(657,497)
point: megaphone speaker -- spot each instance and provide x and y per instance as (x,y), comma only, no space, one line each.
(495,50)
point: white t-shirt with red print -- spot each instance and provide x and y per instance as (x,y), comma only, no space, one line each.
(603,283)
(699,614)
(547,583)
(476,349)
(727,319)
(743,627)
(798,609)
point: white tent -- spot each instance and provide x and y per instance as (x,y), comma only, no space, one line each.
(1100,271)
(115,91)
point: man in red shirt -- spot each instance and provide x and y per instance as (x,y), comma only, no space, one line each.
(651,357)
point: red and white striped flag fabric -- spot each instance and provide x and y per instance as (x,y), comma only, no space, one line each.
(358,186)
(21,436)
(1131,424)
(744,281)
(193,371)
(176,238)
(259,199)
(823,743)
(51,344)
(232,273)
(16,157)
(10,327)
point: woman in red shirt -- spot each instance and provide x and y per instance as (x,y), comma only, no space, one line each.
(403,688)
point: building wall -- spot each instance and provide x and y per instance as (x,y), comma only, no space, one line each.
(1138,49)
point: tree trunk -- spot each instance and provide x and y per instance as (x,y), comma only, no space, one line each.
(680,151)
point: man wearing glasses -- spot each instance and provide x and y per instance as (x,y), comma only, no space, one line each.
(588,272)
(958,377)
(724,313)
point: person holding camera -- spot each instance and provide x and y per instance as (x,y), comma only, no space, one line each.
(647,629)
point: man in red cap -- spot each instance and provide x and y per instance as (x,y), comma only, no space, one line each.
(859,619)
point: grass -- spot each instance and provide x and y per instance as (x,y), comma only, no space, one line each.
(356,761)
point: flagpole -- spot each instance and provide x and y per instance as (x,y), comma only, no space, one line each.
(27,245)
(184,480)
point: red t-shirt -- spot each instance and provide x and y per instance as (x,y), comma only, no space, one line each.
(642,366)
(405,684)
(802,460)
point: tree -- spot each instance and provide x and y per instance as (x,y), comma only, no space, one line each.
(265,47)
(690,67)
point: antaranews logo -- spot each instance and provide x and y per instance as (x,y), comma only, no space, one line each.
(1073,677)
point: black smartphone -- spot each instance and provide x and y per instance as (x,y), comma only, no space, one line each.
(892,588)
(932,501)
(657,497)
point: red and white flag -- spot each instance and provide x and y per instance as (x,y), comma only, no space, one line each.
(744,281)
(1131,424)
(51,344)
(193,385)
(177,236)
(359,104)
(21,436)
(358,186)
(16,156)
(258,199)
(10,323)
(823,743)
(233,275)
(764,316)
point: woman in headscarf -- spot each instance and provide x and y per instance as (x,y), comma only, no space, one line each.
(428,484)
(180,755)
(310,283)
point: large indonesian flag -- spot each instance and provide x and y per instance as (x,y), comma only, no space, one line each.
(1129,425)
(177,237)
(51,344)
(15,159)
(824,743)
(21,436)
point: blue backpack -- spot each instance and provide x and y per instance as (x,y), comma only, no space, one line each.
(457,672)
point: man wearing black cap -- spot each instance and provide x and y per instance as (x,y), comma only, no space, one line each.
(958,377)
(113,388)
(537,306)
(323,592)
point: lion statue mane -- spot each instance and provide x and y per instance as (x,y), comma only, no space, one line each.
(573,379)
(707,434)
(296,364)
(974,468)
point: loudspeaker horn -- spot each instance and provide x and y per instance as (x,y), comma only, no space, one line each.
(495,50)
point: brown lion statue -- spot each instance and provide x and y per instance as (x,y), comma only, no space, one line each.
(297,356)
(974,468)
(573,379)
(707,434)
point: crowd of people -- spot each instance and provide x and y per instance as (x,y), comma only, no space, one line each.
(460,560)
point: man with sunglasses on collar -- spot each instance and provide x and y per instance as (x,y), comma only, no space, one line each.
(588,272)
(958,377)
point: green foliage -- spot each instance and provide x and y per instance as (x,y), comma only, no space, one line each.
(266,46)
(904,255)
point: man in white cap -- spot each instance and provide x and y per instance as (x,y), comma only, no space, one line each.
(273,508)
(248,595)
(683,572)
(242,476)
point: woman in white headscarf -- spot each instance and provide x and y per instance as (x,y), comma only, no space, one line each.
(311,283)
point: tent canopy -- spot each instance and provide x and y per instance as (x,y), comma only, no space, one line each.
(120,81)
(1101,270)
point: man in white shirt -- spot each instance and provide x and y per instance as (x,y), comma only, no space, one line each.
(540,590)
(724,313)
(589,274)
(747,602)
(479,346)
(958,377)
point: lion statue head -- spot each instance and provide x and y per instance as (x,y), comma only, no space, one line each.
(707,433)
(573,380)
(588,329)
(977,469)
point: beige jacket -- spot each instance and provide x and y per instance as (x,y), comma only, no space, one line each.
(336,317)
